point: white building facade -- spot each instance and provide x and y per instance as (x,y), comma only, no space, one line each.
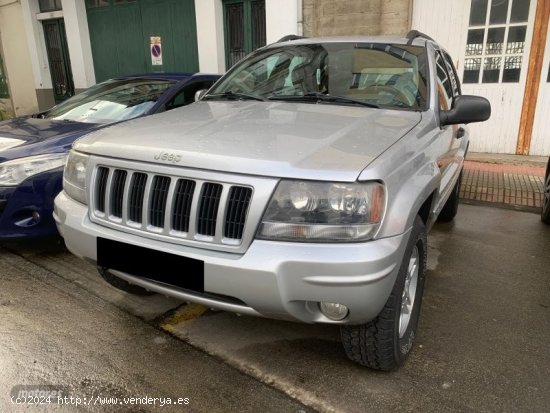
(502,51)
(501,47)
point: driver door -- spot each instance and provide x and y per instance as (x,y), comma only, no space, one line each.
(453,147)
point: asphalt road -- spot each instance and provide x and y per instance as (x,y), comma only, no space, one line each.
(483,343)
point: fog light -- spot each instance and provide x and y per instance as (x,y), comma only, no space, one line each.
(334,311)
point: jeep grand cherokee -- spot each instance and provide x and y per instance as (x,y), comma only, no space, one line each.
(300,187)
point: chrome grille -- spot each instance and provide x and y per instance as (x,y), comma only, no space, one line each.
(101,185)
(157,207)
(135,202)
(117,192)
(239,198)
(208,211)
(182,205)
(182,208)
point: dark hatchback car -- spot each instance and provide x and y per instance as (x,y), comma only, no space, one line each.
(33,149)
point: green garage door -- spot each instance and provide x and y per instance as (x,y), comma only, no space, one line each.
(121,31)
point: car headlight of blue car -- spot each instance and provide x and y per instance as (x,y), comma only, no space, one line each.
(13,172)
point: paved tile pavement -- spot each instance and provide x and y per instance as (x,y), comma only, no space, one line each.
(509,184)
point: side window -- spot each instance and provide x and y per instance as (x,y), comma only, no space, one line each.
(444,88)
(455,83)
(187,94)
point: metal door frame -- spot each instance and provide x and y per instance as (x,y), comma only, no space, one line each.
(61,91)
(247,27)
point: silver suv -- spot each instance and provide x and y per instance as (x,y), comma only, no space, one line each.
(300,187)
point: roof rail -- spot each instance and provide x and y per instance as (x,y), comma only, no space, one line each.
(290,37)
(413,34)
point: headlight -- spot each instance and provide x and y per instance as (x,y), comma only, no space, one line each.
(74,180)
(16,171)
(323,212)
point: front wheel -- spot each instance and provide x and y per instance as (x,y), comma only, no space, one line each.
(385,342)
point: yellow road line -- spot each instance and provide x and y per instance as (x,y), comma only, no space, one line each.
(182,316)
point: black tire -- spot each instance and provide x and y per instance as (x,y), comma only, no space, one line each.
(545,214)
(122,284)
(378,344)
(450,208)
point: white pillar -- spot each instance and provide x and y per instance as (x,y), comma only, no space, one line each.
(78,42)
(36,44)
(281,18)
(210,35)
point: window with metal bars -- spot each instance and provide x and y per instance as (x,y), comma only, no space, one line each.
(495,44)
(244,28)
(49,5)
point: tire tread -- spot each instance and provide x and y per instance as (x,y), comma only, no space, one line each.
(373,344)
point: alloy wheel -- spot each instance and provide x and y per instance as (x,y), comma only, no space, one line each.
(409,292)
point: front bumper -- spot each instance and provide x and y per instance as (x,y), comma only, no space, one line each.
(280,280)
(26,210)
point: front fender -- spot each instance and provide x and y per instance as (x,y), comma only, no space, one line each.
(407,198)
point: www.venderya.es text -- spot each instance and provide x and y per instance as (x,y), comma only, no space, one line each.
(99,400)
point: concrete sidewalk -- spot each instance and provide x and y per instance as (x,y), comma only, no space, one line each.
(506,180)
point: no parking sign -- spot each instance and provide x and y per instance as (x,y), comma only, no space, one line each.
(156,51)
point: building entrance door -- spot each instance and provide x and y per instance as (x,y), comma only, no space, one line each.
(244,28)
(58,58)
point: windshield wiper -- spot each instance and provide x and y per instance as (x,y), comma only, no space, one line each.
(321,97)
(230,95)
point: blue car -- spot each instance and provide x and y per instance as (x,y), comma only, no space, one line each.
(33,149)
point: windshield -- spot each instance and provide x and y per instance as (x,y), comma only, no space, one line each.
(374,74)
(111,101)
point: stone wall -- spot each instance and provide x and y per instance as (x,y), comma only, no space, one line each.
(356,17)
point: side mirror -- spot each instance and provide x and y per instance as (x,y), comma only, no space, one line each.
(466,109)
(199,94)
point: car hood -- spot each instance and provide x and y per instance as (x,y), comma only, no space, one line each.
(282,139)
(25,136)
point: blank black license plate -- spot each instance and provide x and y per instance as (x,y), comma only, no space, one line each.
(160,266)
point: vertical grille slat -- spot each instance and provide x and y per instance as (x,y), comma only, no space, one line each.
(159,193)
(117,192)
(137,192)
(101,188)
(183,198)
(208,208)
(237,208)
